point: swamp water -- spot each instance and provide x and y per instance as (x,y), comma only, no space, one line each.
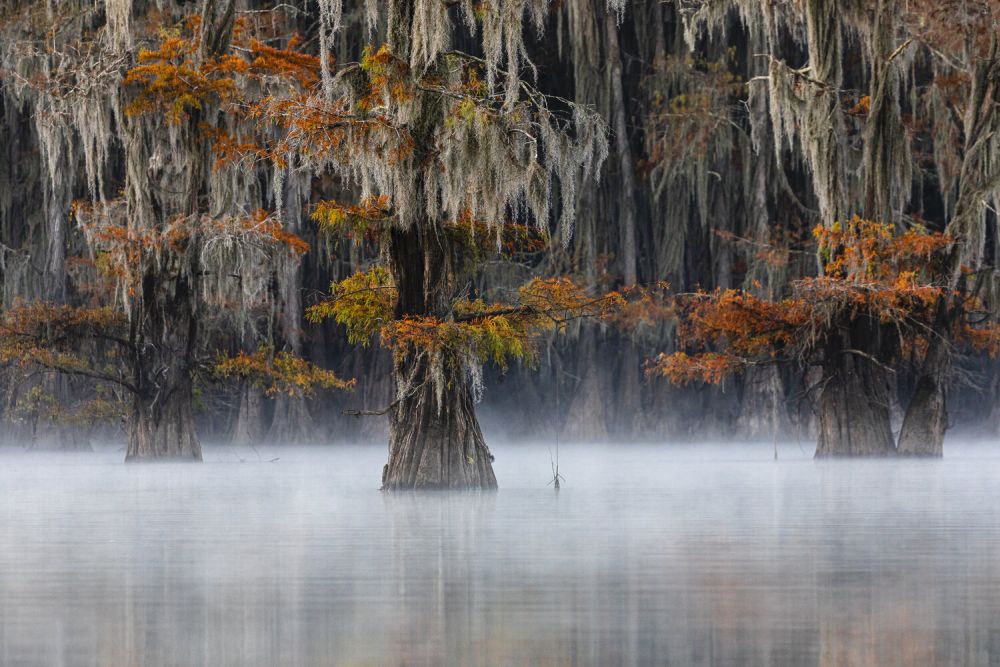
(709,555)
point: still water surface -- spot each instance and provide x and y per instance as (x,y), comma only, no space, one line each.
(649,555)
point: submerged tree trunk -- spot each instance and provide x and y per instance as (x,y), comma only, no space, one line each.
(292,422)
(167,170)
(434,437)
(56,436)
(926,420)
(854,418)
(587,412)
(249,427)
(855,406)
(162,424)
(850,424)
(763,409)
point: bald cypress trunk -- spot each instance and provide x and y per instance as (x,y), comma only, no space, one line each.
(850,422)
(249,426)
(162,426)
(926,419)
(854,417)
(167,174)
(626,164)
(162,423)
(855,414)
(291,421)
(434,437)
(587,411)
(163,312)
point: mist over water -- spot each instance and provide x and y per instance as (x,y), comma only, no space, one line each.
(707,555)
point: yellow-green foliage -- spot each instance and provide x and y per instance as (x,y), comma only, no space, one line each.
(279,373)
(357,220)
(499,338)
(363,303)
(479,241)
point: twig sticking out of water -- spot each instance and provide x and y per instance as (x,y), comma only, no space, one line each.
(556,477)
(555,462)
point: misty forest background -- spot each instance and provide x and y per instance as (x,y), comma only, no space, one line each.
(700,190)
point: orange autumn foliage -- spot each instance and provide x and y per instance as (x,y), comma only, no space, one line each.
(262,227)
(46,336)
(862,108)
(181,81)
(868,272)
(176,79)
(866,250)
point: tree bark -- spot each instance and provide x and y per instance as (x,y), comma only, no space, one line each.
(249,427)
(167,176)
(854,418)
(55,261)
(53,435)
(926,420)
(292,422)
(434,437)
(162,424)
(763,409)
(626,165)
(434,440)
(587,411)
